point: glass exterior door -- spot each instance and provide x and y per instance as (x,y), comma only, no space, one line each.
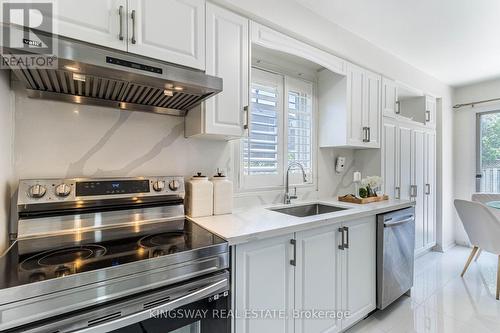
(488,152)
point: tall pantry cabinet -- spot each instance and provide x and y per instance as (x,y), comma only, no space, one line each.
(409,172)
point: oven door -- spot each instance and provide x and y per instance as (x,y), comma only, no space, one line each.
(197,306)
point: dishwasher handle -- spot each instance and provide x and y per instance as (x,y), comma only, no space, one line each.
(389,223)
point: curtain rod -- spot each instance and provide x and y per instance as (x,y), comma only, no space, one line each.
(472,104)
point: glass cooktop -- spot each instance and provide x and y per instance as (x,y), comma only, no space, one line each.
(39,259)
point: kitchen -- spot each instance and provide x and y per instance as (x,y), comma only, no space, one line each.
(251,130)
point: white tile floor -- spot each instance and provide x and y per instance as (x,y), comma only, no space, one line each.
(441,300)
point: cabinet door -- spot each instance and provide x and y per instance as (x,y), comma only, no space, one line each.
(264,281)
(356,103)
(227,57)
(404,174)
(317,278)
(430,111)
(430,189)
(169,30)
(418,180)
(359,277)
(389,97)
(372,115)
(390,162)
(94,21)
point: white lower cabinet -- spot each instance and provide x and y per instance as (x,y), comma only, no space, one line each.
(264,280)
(359,270)
(318,278)
(329,270)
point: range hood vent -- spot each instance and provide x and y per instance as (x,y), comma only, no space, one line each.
(90,74)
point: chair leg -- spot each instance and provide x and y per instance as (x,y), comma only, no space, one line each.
(478,254)
(471,256)
(498,279)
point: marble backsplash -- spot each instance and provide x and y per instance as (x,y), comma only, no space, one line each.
(55,139)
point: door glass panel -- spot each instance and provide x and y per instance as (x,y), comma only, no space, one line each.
(489,152)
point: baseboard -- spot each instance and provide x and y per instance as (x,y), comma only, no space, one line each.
(442,249)
(463,243)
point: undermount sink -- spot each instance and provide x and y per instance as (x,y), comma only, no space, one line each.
(308,210)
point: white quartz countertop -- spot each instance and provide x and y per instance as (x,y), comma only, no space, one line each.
(249,224)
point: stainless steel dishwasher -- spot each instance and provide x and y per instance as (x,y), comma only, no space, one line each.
(395,255)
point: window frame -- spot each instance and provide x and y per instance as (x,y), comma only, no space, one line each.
(255,185)
(478,174)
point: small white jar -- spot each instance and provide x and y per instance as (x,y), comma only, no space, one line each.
(199,196)
(223,194)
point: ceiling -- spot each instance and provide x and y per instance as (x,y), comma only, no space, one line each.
(456,41)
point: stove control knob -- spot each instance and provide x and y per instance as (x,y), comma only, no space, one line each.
(37,191)
(63,190)
(173,185)
(158,185)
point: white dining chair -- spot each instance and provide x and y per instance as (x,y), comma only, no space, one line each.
(483,229)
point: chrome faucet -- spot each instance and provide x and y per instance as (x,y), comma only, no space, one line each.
(289,197)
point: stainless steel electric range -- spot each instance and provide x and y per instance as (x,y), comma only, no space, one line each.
(101,255)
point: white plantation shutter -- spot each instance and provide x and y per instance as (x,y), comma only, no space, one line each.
(262,150)
(300,124)
(281,130)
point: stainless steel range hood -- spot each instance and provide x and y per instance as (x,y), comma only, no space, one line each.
(91,74)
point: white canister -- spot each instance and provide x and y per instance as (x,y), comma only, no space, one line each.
(223,194)
(199,196)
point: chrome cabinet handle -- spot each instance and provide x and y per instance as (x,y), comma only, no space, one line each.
(369,134)
(413,191)
(365,134)
(398,191)
(427,116)
(132,16)
(247,124)
(427,189)
(293,262)
(398,108)
(346,244)
(342,243)
(120,13)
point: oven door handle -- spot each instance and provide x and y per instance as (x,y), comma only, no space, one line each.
(200,293)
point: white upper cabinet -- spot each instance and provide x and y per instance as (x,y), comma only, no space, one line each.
(372,115)
(390,104)
(224,116)
(356,106)
(430,111)
(169,30)
(102,22)
(349,108)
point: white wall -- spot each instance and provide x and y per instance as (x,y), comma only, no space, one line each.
(465,140)
(301,23)
(6,173)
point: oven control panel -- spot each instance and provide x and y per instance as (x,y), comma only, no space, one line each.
(33,191)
